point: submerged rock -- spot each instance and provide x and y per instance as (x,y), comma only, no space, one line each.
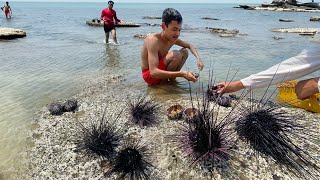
(142,36)
(11,33)
(209,18)
(296,30)
(315,18)
(99,23)
(152,17)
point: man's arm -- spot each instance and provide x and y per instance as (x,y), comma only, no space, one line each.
(295,67)
(153,60)
(193,51)
(115,17)
(102,15)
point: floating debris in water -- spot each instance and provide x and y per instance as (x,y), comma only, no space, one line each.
(143,111)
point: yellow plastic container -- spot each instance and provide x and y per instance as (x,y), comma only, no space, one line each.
(286,94)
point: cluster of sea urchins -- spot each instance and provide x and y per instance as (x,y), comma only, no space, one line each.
(132,162)
(206,139)
(267,131)
(213,95)
(58,109)
(143,111)
(99,139)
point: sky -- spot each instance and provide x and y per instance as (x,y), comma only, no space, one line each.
(164,1)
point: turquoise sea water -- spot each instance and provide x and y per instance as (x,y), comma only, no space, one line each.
(61,51)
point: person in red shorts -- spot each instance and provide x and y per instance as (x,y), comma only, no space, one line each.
(7,10)
(157,63)
(109,16)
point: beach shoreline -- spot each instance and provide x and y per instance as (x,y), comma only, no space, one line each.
(54,154)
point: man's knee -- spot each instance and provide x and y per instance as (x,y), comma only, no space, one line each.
(184,53)
(174,55)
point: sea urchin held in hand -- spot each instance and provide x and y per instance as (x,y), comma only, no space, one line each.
(132,162)
(99,139)
(143,111)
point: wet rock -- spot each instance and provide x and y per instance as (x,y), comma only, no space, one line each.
(55,109)
(142,36)
(11,33)
(296,30)
(315,18)
(152,17)
(70,105)
(209,18)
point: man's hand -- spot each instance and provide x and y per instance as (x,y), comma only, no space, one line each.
(199,64)
(190,76)
(229,87)
(306,88)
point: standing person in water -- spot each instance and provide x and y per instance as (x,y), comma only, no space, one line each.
(157,63)
(109,16)
(7,10)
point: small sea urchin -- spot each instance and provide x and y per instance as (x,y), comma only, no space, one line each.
(132,162)
(55,109)
(99,138)
(143,111)
(70,105)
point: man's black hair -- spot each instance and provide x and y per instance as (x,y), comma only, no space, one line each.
(110,2)
(171,14)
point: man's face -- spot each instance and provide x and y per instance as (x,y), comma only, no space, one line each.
(110,6)
(172,32)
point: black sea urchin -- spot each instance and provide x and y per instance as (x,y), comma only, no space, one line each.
(70,105)
(143,111)
(132,162)
(55,108)
(99,138)
(206,138)
(268,130)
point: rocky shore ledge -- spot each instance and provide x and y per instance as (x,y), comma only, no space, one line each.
(11,33)
(54,156)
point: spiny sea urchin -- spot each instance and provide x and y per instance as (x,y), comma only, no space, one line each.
(206,138)
(132,162)
(70,105)
(269,131)
(143,111)
(55,109)
(100,138)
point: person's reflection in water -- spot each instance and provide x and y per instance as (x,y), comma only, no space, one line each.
(112,56)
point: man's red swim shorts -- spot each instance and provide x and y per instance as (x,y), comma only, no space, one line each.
(7,12)
(146,73)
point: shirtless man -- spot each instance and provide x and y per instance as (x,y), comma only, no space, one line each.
(156,63)
(7,10)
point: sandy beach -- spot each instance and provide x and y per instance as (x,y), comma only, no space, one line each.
(53,154)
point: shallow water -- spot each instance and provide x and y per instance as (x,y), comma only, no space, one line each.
(61,52)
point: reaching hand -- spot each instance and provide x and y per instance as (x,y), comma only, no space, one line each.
(200,64)
(229,87)
(190,76)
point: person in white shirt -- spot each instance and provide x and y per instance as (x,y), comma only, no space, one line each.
(308,61)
